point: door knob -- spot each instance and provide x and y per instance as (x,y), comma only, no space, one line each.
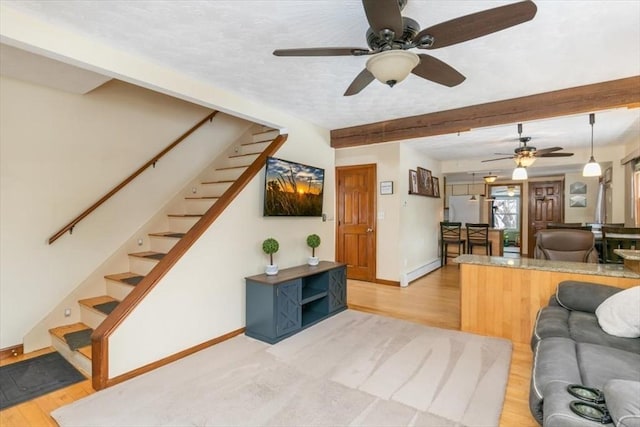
(369,230)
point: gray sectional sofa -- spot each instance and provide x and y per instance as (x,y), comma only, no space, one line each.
(570,347)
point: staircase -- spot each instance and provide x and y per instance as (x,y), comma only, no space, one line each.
(73,341)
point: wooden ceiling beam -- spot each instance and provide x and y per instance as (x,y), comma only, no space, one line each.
(582,99)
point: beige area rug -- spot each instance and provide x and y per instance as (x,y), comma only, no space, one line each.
(353,369)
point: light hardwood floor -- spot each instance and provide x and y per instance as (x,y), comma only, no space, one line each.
(432,300)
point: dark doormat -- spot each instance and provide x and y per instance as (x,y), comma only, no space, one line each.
(78,339)
(106,307)
(26,380)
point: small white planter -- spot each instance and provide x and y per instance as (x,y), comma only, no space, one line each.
(313,260)
(271,269)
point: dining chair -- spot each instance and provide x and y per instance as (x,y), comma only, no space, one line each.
(570,225)
(618,238)
(566,245)
(478,235)
(450,234)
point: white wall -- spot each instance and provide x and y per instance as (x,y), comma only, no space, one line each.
(59,153)
(580,214)
(419,216)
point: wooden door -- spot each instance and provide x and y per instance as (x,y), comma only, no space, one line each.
(546,204)
(356,235)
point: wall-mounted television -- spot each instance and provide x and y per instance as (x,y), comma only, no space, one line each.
(292,189)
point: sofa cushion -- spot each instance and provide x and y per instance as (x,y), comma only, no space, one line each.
(619,315)
(583,296)
(584,327)
(599,364)
(552,321)
(623,402)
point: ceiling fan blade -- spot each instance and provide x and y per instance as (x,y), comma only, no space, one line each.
(433,69)
(361,81)
(478,24)
(384,14)
(493,160)
(322,51)
(555,155)
(547,150)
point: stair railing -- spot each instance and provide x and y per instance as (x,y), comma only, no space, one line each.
(100,336)
(69,227)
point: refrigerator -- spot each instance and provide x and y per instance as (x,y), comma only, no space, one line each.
(461,209)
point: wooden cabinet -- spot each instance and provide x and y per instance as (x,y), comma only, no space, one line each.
(298,297)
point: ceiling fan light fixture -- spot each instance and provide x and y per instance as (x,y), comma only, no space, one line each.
(519,173)
(592,168)
(524,160)
(392,66)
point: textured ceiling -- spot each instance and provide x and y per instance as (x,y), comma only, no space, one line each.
(230,43)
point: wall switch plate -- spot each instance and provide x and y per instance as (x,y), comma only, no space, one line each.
(140,242)
(67,312)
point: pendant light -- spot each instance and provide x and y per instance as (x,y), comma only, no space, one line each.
(473,180)
(519,173)
(490,178)
(592,168)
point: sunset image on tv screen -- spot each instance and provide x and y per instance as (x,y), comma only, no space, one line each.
(292,189)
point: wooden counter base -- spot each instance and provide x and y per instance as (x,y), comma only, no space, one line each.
(503,302)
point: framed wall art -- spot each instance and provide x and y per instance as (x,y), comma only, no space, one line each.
(413,182)
(425,184)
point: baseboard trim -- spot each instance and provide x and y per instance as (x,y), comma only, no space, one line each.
(13,351)
(387,282)
(423,270)
(184,353)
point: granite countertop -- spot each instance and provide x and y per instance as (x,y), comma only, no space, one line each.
(630,254)
(612,270)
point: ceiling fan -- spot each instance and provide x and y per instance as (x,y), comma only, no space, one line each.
(525,154)
(391,35)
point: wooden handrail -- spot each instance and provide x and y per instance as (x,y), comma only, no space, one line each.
(100,336)
(152,162)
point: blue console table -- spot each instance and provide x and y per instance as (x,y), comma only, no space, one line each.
(296,298)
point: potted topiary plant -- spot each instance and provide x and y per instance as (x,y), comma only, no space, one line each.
(270,246)
(313,240)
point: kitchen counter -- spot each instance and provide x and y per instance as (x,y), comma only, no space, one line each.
(610,270)
(501,296)
(631,258)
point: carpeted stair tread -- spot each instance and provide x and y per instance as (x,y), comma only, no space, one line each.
(128,278)
(232,167)
(93,301)
(173,234)
(62,332)
(203,198)
(243,155)
(224,181)
(106,307)
(149,255)
(77,339)
(184,215)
